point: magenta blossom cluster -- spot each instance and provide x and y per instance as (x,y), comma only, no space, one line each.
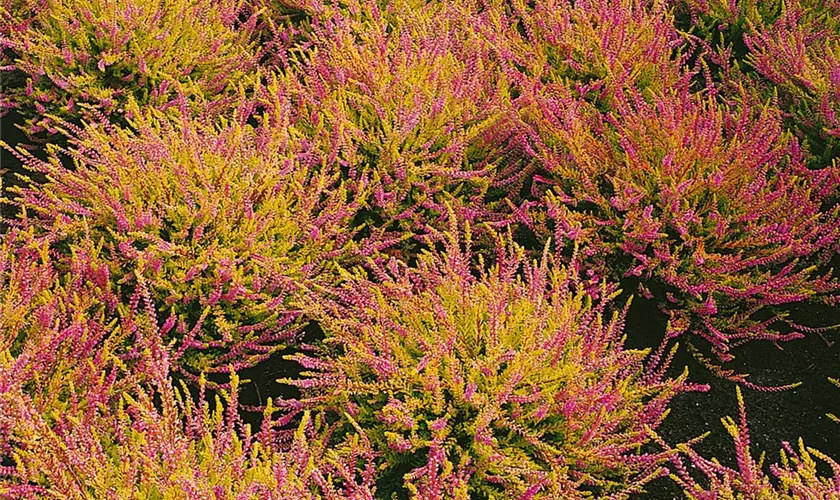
(60,341)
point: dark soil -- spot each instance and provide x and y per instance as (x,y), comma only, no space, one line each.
(9,165)
(774,417)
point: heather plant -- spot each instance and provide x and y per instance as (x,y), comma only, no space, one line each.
(713,201)
(592,47)
(16,16)
(84,59)
(782,50)
(216,225)
(800,55)
(486,382)
(87,409)
(418,103)
(795,476)
(156,442)
(587,50)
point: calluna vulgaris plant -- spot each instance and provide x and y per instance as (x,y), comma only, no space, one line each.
(228,172)
(84,414)
(789,50)
(156,442)
(795,477)
(218,225)
(713,201)
(417,101)
(506,383)
(83,58)
(593,46)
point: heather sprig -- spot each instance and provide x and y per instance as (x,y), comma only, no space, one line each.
(722,23)
(795,476)
(83,59)
(714,201)
(216,226)
(486,382)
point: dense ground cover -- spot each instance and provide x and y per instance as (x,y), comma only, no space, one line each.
(420,249)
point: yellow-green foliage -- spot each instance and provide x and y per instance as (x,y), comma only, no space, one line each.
(75,55)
